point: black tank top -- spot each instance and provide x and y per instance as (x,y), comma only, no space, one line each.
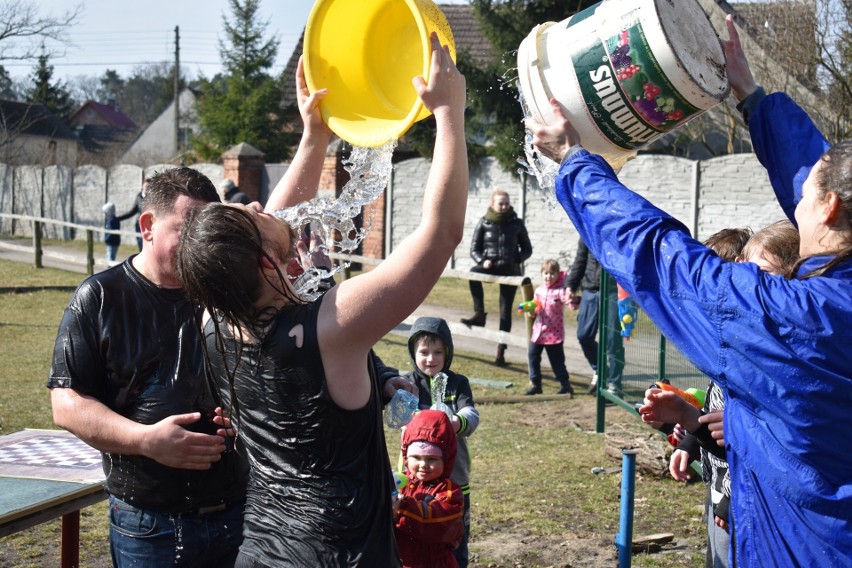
(319,493)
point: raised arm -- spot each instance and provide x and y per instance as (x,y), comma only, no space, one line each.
(739,73)
(360,311)
(784,138)
(301,180)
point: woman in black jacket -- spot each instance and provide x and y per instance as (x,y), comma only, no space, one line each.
(499,247)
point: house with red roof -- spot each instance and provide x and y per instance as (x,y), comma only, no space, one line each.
(104,132)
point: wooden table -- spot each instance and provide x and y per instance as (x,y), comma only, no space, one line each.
(45,474)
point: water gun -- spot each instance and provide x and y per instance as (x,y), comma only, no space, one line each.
(693,396)
(530,306)
(628,311)
(400,480)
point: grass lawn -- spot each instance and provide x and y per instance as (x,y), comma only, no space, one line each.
(535,501)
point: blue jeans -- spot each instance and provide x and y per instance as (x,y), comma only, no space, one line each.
(141,537)
(587,335)
(556,356)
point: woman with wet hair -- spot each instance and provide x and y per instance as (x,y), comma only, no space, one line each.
(299,377)
(780,348)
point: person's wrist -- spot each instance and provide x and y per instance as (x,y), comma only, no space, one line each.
(690,419)
(742,93)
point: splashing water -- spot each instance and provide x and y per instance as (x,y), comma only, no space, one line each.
(333,219)
(541,167)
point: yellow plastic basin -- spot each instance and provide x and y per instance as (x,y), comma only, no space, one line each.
(366,52)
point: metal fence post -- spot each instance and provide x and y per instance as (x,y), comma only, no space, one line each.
(624,538)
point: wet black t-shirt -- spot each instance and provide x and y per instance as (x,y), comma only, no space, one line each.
(320,488)
(136,347)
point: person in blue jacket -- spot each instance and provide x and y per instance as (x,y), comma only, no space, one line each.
(779,348)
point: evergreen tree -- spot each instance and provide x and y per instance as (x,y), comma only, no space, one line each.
(243,105)
(44,91)
(494,118)
(111,86)
(7,86)
(246,55)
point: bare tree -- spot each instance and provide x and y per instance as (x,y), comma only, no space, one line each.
(800,47)
(23,29)
(806,53)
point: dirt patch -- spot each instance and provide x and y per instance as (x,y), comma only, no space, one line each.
(566,551)
(505,546)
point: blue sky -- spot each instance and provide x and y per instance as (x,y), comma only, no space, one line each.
(120,34)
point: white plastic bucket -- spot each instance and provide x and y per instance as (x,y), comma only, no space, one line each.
(625,72)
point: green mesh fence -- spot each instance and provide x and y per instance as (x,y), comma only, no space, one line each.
(647,356)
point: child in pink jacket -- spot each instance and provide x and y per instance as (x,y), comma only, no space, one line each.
(548,332)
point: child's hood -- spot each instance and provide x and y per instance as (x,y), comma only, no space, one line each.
(435,326)
(109,209)
(432,426)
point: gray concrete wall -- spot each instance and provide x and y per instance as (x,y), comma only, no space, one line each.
(730,191)
(56,200)
(707,196)
(74,195)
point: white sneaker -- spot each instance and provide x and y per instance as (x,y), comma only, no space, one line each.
(593,386)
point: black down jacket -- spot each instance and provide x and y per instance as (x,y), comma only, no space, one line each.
(507,245)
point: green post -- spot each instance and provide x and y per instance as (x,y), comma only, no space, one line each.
(37,250)
(661,370)
(603,314)
(90,252)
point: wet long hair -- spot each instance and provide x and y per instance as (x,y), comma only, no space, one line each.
(218,263)
(835,175)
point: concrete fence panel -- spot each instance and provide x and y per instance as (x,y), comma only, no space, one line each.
(6,186)
(124,182)
(56,200)
(90,194)
(28,191)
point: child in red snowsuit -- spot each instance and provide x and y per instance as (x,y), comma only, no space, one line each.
(429,509)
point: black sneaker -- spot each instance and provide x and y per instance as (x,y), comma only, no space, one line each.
(566,389)
(533,390)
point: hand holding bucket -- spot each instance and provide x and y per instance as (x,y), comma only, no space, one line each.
(366,54)
(625,72)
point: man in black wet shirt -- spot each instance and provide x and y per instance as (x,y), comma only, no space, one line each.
(128,378)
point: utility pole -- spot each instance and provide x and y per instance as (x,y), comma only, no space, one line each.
(177,90)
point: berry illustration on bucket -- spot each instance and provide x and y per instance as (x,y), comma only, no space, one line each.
(626,72)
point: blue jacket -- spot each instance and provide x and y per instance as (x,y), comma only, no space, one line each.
(781,350)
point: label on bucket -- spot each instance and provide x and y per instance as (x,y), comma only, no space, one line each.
(625,90)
